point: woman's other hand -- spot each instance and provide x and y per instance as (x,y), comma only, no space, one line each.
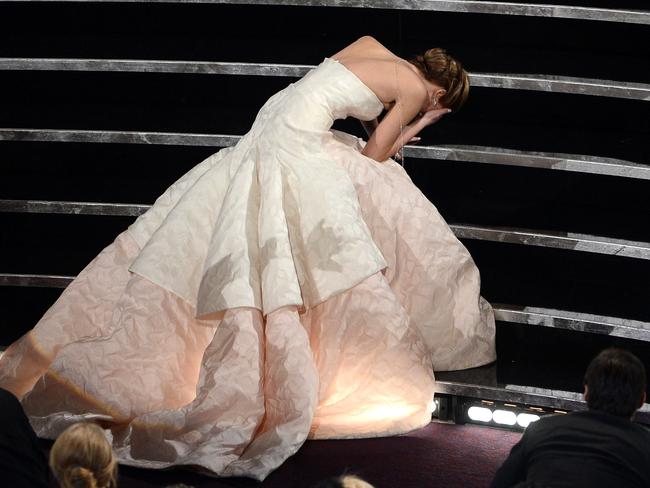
(398,155)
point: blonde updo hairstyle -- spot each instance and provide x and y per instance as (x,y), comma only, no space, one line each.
(350,481)
(345,481)
(81,457)
(440,68)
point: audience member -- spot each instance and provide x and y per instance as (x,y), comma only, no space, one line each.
(22,463)
(600,447)
(81,457)
(345,481)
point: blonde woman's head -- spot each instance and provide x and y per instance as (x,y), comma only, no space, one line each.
(345,481)
(81,457)
(354,482)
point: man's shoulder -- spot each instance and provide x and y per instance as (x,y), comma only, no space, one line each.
(556,422)
(556,419)
(585,419)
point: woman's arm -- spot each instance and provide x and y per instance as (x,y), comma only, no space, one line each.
(386,136)
(412,130)
(370,125)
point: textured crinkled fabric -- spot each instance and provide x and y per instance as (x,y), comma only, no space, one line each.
(285,287)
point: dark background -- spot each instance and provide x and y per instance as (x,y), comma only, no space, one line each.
(463,192)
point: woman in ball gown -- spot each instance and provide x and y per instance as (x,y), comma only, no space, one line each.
(294,285)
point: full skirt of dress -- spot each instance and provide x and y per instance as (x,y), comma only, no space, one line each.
(137,343)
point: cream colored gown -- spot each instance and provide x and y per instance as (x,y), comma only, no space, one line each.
(285,287)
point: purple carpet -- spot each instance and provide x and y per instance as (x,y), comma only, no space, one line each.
(439,454)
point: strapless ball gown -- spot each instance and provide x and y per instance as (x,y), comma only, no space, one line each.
(284,288)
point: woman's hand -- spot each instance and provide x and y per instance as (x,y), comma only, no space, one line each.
(399,154)
(427,118)
(432,116)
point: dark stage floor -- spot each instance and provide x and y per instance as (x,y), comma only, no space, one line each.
(437,455)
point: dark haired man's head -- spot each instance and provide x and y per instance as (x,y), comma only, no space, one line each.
(615,383)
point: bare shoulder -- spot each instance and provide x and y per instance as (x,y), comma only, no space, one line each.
(364,47)
(370,40)
(367,40)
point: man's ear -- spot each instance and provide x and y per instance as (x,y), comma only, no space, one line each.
(586,394)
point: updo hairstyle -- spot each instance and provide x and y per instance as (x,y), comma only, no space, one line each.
(81,457)
(443,70)
(345,481)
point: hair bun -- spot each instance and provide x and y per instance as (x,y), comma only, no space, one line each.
(440,68)
(79,477)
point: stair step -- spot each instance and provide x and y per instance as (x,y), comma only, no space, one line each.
(560,240)
(461,6)
(576,321)
(535,82)
(473,154)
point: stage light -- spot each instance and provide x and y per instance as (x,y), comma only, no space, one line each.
(504,417)
(490,413)
(480,414)
(525,419)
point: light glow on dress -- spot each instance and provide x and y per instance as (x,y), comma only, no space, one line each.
(388,412)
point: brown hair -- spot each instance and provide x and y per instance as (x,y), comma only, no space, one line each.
(81,457)
(440,68)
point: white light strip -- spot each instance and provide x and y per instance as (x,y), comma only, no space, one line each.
(525,419)
(479,414)
(501,416)
(504,417)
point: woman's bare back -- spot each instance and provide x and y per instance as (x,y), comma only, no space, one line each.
(380,69)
